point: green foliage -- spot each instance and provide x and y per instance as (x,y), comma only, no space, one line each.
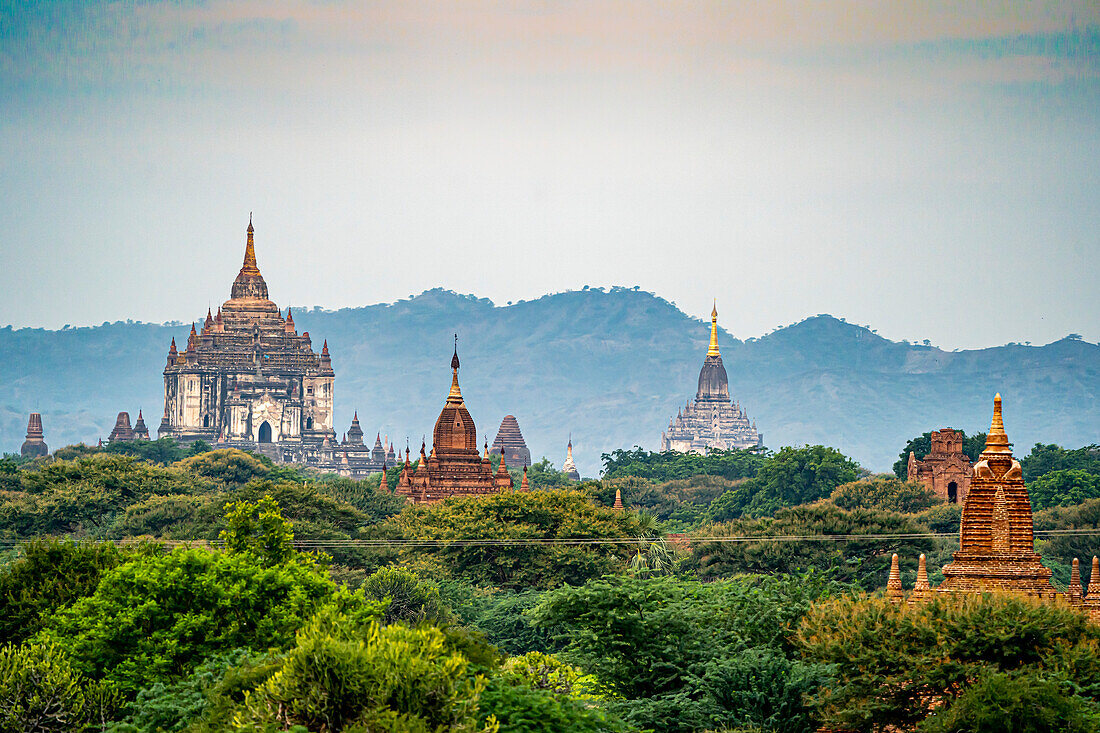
(790,477)
(230,467)
(670,465)
(1062,548)
(49,575)
(1044,459)
(680,505)
(162,450)
(40,692)
(862,561)
(364,495)
(519,707)
(519,517)
(258,528)
(409,598)
(668,648)
(887,493)
(1063,487)
(897,664)
(504,617)
(342,675)
(171,707)
(921,446)
(158,617)
(541,475)
(82,497)
(1023,702)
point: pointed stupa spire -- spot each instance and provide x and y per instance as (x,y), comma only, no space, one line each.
(894,589)
(713,350)
(922,575)
(324,348)
(1094,580)
(997,441)
(209,320)
(1076,592)
(618,505)
(455,395)
(524,486)
(249,266)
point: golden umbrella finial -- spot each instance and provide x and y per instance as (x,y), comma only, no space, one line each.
(997,441)
(713,350)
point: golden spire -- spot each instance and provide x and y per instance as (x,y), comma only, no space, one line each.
(997,441)
(713,350)
(455,396)
(249,266)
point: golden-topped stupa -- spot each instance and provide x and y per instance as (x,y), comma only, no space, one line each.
(713,420)
(996,540)
(454,467)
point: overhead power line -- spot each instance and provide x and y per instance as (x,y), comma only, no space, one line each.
(596,541)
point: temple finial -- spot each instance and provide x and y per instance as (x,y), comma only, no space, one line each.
(249,266)
(713,350)
(455,395)
(996,443)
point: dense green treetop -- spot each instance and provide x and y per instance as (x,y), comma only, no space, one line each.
(1044,459)
(516,518)
(898,664)
(669,465)
(885,492)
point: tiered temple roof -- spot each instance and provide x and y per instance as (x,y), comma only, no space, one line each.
(713,421)
(35,444)
(454,467)
(510,440)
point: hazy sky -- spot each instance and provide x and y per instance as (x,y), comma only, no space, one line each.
(933,172)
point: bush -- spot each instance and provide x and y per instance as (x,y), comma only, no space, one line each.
(41,692)
(897,664)
(342,675)
(50,574)
(409,599)
(1021,702)
(885,492)
(157,618)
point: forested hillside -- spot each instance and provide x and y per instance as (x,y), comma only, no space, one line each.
(608,367)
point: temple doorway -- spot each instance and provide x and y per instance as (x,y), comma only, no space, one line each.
(265,432)
(953,493)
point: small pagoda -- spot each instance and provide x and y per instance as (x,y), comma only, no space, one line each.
(510,442)
(35,444)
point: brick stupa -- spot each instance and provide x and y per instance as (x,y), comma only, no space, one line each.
(35,444)
(996,540)
(454,467)
(510,442)
(122,430)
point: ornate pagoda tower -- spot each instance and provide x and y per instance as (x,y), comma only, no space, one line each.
(996,541)
(249,380)
(454,467)
(569,467)
(35,444)
(510,442)
(713,421)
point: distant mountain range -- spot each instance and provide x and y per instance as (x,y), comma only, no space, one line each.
(608,367)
